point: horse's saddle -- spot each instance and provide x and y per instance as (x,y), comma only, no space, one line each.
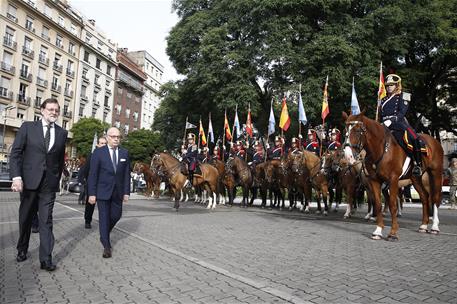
(406,141)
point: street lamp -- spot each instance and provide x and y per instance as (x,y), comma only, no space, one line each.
(5,110)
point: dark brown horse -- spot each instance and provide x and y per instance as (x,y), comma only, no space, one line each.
(237,173)
(220,166)
(384,163)
(277,177)
(152,178)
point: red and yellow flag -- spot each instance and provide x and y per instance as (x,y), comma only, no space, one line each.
(284,119)
(202,134)
(228,134)
(249,126)
(382,88)
(325,108)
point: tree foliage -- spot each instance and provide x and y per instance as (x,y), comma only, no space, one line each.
(235,52)
(83,133)
(141,144)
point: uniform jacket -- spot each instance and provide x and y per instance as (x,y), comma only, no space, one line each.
(334,145)
(276,153)
(313,147)
(191,156)
(394,108)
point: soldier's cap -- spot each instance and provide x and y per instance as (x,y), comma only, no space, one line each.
(239,143)
(335,131)
(191,136)
(393,79)
(257,143)
(205,149)
(277,138)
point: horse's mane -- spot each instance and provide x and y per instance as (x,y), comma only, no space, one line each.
(168,155)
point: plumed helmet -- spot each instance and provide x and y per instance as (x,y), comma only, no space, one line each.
(257,143)
(191,136)
(205,149)
(393,79)
(277,138)
(216,148)
(294,140)
(239,143)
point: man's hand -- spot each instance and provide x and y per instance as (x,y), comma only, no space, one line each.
(125,199)
(16,186)
(92,199)
(387,123)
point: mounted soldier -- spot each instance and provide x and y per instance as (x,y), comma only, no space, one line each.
(277,151)
(239,148)
(217,153)
(335,143)
(204,156)
(191,157)
(258,156)
(312,144)
(295,146)
(393,109)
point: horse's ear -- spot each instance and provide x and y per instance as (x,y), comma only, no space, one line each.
(344,115)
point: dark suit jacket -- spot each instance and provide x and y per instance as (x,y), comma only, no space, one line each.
(83,172)
(30,160)
(102,177)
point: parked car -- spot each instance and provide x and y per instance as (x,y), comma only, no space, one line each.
(444,191)
(74,185)
(5,181)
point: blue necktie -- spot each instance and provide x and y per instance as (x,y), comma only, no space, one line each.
(114,159)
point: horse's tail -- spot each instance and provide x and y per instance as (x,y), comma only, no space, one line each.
(434,165)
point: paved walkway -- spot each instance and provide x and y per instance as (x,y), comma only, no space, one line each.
(229,255)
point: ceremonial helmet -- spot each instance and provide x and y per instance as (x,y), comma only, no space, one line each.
(395,80)
(205,149)
(294,140)
(191,136)
(337,133)
(216,148)
(311,134)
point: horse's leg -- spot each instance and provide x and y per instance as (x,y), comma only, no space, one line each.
(176,192)
(339,197)
(349,200)
(425,204)
(254,195)
(393,209)
(325,198)
(376,191)
(386,194)
(331,197)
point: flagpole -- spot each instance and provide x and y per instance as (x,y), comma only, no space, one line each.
(208,138)
(185,129)
(199,127)
(377,104)
(233,128)
(223,138)
(299,122)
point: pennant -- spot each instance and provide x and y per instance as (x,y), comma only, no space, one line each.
(355,108)
(271,121)
(236,125)
(284,120)
(382,88)
(301,111)
(210,130)
(202,134)
(325,108)
(94,142)
(249,126)
(228,134)
(190,126)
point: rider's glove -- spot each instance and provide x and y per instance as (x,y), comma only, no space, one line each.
(388,122)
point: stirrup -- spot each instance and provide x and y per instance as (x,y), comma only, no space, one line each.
(417,171)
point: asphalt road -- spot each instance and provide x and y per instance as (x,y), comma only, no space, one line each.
(229,255)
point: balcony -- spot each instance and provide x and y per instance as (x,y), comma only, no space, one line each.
(85,79)
(96,103)
(22,99)
(70,73)
(8,68)
(68,93)
(26,75)
(31,3)
(134,84)
(5,94)
(67,114)
(84,98)
(41,82)
(108,91)
(57,67)
(43,60)
(30,27)
(27,52)
(9,42)
(11,17)
(45,37)
(56,88)
(37,103)
(97,86)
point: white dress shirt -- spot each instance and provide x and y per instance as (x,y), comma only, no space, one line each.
(52,130)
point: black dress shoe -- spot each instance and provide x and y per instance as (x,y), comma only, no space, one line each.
(106,253)
(88,226)
(48,266)
(35,229)
(21,256)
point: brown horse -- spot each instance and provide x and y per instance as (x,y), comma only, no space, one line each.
(237,172)
(384,163)
(277,177)
(172,168)
(152,179)
(220,166)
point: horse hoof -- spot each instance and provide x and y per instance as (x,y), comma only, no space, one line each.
(346,216)
(434,231)
(290,208)
(392,238)
(325,213)
(422,230)
(376,237)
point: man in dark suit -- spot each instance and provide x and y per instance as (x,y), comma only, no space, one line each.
(36,164)
(83,175)
(109,185)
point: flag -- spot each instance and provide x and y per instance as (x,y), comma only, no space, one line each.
(284,120)
(236,125)
(202,134)
(382,88)
(249,126)
(325,108)
(190,126)
(228,134)
(210,130)
(301,111)
(355,109)
(94,142)
(271,121)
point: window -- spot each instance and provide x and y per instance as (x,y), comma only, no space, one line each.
(108,83)
(68,86)
(57,60)
(9,35)
(27,44)
(88,37)
(4,86)
(45,33)
(73,29)
(22,91)
(43,53)
(127,113)
(85,73)
(29,23)
(97,64)
(106,104)
(20,114)
(126,129)
(39,98)
(61,21)
(119,90)
(94,112)
(59,41)
(12,13)
(108,70)
(83,90)
(69,66)
(99,45)
(65,125)
(135,116)
(41,73)
(71,48)
(81,110)
(47,11)
(7,58)
(36,117)
(55,81)
(86,56)
(24,70)
(118,109)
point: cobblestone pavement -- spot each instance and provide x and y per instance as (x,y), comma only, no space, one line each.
(229,255)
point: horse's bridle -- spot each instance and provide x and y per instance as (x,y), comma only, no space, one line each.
(360,133)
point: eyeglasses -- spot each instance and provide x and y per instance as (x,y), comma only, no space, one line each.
(114,136)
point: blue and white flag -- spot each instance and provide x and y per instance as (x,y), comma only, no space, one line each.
(355,109)
(301,111)
(236,124)
(210,130)
(271,121)
(94,142)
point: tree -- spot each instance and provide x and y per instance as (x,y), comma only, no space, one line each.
(233,52)
(141,144)
(83,133)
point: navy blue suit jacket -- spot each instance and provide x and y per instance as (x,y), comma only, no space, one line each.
(102,178)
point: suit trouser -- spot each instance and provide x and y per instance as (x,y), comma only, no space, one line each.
(89,208)
(109,213)
(41,199)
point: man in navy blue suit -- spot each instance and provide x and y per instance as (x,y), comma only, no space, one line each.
(109,185)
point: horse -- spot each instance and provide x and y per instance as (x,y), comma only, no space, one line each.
(277,176)
(152,179)
(384,163)
(220,166)
(259,182)
(172,168)
(237,173)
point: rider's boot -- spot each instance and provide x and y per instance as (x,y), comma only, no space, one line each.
(417,169)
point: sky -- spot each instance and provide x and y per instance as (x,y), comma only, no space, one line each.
(134,24)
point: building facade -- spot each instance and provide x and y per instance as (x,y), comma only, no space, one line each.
(151,98)
(97,68)
(39,59)
(128,92)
